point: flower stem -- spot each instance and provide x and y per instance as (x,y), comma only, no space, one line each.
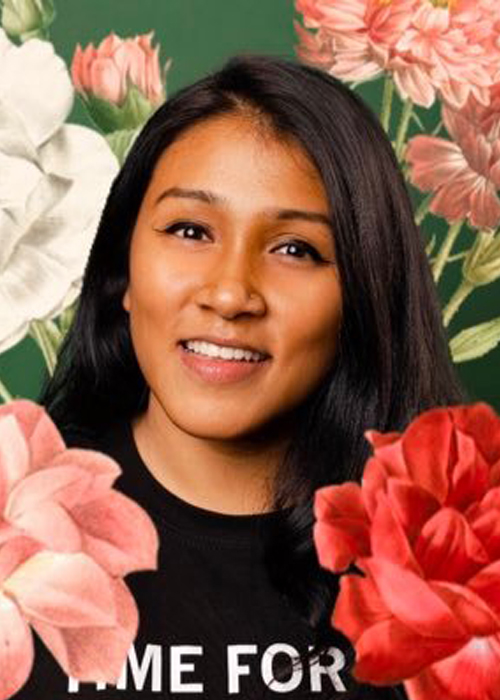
(460,295)
(42,338)
(453,258)
(423,209)
(403,127)
(445,250)
(5,394)
(385,116)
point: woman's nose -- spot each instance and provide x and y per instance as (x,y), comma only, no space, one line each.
(230,288)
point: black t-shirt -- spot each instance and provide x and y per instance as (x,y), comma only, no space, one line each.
(211,624)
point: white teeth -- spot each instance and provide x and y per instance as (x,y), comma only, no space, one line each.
(212,350)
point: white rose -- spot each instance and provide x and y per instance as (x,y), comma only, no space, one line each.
(54,179)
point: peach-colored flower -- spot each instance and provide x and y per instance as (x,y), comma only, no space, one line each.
(450,49)
(66,541)
(107,72)
(463,173)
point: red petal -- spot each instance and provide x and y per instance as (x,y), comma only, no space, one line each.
(471,674)
(344,501)
(411,600)
(470,474)
(118,534)
(474,614)
(358,606)
(338,546)
(341,531)
(95,653)
(388,539)
(16,649)
(426,448)
(484,519)
(480,421)
(448,549)
(68,590)
(413,506)
(390,652)
(487,585)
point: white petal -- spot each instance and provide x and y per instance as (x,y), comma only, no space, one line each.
(35,85)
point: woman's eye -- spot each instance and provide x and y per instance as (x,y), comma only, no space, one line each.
(299,249)
(186,230)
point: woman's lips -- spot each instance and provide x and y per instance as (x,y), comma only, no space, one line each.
(218,370)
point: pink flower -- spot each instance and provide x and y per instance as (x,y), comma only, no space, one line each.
(108,71)
(66,541)
(429,49)
(423,530)
(463,173)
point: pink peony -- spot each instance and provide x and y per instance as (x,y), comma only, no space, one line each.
(463,173)
(108,71)
(66,541)
(451,50)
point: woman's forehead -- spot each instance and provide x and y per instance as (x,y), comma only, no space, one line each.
(232,155)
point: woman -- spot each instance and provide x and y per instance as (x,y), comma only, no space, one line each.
(261,209)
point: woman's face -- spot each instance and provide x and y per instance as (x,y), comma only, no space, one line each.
(232,244)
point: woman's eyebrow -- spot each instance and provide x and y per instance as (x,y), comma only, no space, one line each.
(211,198)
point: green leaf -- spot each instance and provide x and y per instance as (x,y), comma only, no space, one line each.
(121,141)
(475,341)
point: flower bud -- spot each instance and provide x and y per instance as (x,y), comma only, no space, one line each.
(24,19)
(482,262)
(119,81)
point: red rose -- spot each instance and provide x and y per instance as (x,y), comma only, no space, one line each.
(424,529)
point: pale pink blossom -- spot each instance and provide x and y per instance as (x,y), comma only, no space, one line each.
(108,70)
(66,541)
(463,173)
(447,50)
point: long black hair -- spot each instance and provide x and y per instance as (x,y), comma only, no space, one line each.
(392,360)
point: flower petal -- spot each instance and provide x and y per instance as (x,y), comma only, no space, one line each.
(388,538)
(358,606)
(117,533)
(473,673)
(426,447)
(95,653)
(472,611)
(68,590)
(39,430)
(447,548)
(389,652)
(14,456)
(412,601)
(16,649)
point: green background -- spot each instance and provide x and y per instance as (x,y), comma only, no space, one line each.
(198,35)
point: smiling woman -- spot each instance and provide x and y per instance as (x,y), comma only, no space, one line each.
(257,296)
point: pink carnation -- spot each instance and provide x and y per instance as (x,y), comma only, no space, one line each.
(463,173)
(452,51)
(67,539)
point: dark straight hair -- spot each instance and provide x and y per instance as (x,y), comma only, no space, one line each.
(392,360)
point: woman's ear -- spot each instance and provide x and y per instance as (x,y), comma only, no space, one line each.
(126,300)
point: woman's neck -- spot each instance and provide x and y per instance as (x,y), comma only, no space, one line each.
(225,476)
